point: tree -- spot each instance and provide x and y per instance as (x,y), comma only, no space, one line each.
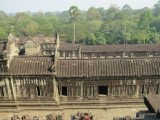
(126,11)
(96,38)
(144,23)
(154,38)
(21,21)
(39,18)
(31,29)
(102,12)
(74,13)
(127,8)
(139,37)
(111,13)
(156,23)
(46,29)
(64,17)
(90,39)
(157,9)
(2,15)
(3,35)
(126,37)
(100,39)
(93,14)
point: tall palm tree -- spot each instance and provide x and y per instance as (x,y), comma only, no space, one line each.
(73,11)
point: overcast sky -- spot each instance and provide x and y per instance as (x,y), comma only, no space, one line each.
(12,6)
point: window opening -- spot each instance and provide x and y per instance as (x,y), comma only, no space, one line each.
(2,92)
(38,91)
(64,90)
(103,90)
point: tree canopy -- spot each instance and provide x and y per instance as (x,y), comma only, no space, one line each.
(94,26)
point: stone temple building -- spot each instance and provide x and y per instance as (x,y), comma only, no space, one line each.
(41,69)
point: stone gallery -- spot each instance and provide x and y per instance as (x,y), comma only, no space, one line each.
(43,69)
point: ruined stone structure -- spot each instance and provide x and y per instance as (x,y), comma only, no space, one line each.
(73,72)
(39,45)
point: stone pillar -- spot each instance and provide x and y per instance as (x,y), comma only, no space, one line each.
(55,90)
(9,93)
(92,92)
(18,88)
(13,87)
(64,55)
(138,90)
(79,52)
(96,92)
(82,89)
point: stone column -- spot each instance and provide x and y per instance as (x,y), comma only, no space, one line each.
(64,55)
(9,93)
(82,89)
(55,90)
(13,87)
(138,90)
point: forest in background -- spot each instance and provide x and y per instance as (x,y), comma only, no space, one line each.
(96,26)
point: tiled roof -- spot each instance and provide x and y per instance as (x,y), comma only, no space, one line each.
(108,67)
(31,65)
(67,47)
(152,103)
(120,48)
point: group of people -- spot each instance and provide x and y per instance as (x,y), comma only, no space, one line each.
(82,116)
(47,117)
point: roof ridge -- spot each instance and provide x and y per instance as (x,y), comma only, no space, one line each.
(28,56)
(110,58)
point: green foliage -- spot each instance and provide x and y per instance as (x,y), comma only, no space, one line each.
(126,37)
(111,13)
(46,29)
(93,14)
(30,29)
(91,39)
(139,37)
(145,20)
(94,26)
(3,34)
(157,9)
(3,16)
(156,23)
(73,11)
(64,17)
(83,29)
(127,8)
(144,24)
(95,39)
(102,11)
(100,38)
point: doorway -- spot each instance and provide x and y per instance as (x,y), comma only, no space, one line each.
(38,91)
(64,91)
(1,92)
(103,90)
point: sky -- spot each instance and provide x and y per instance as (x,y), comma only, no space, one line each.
(13,6)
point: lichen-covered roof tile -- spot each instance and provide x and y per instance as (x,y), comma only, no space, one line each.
(108,67)
(31,65)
